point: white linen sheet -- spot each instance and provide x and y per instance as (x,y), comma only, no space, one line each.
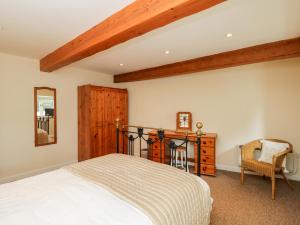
(61,198)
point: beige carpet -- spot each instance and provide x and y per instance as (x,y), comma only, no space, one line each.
(251,203)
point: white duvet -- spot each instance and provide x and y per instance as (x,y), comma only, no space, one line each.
(61,198)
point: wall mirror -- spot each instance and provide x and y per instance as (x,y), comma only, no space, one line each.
(184,121)
(45,116)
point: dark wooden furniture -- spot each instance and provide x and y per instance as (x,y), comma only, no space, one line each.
(98,107)
(207,155)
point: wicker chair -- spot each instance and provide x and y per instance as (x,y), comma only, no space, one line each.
(264,169)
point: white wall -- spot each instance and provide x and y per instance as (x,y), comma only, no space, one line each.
(239,104)
(18,76)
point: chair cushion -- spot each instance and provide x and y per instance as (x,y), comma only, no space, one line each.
(270,148)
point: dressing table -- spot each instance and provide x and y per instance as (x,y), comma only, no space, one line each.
(207,150)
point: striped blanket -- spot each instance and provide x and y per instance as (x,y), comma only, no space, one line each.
(167,195)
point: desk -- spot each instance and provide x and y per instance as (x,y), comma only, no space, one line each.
(207,152)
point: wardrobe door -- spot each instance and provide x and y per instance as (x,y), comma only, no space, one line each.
(108,123)
(115,107)
(84,131)
(121,112)
(114,115)
(97,121)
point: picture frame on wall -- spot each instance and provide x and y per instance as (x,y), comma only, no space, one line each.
(184,121)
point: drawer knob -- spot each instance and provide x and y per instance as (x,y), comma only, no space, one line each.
(204,142)
(204,151)
(204,168)
(204,160)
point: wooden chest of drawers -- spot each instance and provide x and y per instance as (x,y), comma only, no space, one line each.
(155,151)
(207,153)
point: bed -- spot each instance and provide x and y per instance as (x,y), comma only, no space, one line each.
(43,137)
(115,189)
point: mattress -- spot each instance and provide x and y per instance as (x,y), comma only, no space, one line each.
(68,196)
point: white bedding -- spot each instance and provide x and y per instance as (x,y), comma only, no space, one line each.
(61,198)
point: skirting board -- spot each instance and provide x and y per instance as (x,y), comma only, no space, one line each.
(237,169)
(33,172)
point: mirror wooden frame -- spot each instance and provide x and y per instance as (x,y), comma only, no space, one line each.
(189,128)
(35,117)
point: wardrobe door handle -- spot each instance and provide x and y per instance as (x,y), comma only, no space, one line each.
(95,136)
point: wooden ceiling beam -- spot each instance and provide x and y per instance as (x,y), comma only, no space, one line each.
(134,20)
(259,53)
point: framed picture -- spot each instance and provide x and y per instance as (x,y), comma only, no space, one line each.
(184,121)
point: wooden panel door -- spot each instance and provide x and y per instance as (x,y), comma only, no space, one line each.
(84,123)
(121,112)
(108,123)
(108,104)
(97,118)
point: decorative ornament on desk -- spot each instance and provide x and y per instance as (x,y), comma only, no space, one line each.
(117,122)
(199,126)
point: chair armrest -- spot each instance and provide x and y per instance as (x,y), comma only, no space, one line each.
(278,158)
(247,150)
(282,153)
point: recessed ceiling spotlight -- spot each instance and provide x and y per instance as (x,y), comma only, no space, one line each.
(229,35)
(121,64)
(167,52)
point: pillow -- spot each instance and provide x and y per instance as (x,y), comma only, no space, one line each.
(270,148)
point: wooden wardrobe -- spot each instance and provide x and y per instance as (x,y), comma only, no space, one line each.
(98,108)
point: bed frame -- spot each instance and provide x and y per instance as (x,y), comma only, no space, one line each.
(43,123)
(127,137)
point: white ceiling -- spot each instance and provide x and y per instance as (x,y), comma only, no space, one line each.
(34,28)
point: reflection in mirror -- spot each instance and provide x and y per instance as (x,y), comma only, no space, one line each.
(45,115)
